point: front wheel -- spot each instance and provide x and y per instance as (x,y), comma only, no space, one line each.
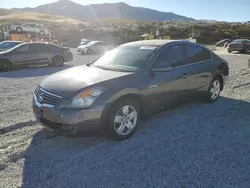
(89,51)
(214,90)
(123,119)
(229,50)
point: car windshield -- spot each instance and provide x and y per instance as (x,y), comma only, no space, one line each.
(8,44)
(126,58)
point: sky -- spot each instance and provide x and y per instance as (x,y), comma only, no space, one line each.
(221,10)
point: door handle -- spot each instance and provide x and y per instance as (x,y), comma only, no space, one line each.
(184,76)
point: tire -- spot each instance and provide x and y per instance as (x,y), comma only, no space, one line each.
(6,65)
(41,33)
(89,51)
(57,61)
(126,124)
(229,50)
(214,90)
(19,29)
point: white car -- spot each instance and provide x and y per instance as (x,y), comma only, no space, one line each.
(94,47)
(31,28)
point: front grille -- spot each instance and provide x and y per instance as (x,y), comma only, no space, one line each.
(45,97)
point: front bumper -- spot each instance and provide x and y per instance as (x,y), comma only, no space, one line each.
(82,50)
(68,121)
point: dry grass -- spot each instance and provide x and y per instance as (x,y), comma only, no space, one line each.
(15,16)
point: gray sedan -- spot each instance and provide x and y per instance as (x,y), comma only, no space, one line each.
(241,45)
(34,54)
(127,83)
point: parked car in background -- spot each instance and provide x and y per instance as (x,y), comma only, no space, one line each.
(6,45)
(126,83)
(38,29)
(84,41)
(94,47)
(222,42)
(227,43)
(241,45)
(34,54)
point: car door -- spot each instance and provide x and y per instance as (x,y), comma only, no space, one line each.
(39,53)
(21,56)
(170,79)
(200,66)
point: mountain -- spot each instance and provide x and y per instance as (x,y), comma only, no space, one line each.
(106,10)
(8,16)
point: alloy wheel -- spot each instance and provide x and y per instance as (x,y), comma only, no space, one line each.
(215,89)
(125,120)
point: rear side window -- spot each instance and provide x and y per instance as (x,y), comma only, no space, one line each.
(171,56)
(54,48)
(23,48)
(197,53)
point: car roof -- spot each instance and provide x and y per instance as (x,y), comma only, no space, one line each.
(158,43)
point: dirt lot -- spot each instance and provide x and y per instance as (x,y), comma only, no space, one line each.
(196,145)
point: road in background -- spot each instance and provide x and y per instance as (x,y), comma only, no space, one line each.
(195,145)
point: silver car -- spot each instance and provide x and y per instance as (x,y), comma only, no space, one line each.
(127,83)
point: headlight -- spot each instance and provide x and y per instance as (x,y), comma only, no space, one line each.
(86,98)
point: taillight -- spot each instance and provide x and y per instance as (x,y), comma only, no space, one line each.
(241,44)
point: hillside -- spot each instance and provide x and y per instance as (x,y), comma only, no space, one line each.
(16,16)
(106,10)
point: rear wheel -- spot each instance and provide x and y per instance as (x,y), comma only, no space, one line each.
(229,50)
(6,65)
(245,50)
(214,90)
(57,61)
(123,119)
(41,33)
(19,29)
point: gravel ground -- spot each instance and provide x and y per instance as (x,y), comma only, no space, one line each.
(195,145)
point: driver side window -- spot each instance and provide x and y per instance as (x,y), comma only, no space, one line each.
(171,56)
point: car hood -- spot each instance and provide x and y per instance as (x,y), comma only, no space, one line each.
(70,82)
(82,46)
